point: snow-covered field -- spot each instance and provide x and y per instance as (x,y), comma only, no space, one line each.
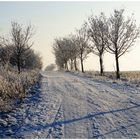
(68,105)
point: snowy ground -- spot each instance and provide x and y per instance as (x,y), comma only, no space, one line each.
(69,106)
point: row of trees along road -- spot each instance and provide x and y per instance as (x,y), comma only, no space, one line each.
(98,35)
(16,51)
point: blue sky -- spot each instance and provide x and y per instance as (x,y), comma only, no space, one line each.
(58,19)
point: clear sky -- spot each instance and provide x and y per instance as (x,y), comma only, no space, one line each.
(58,19)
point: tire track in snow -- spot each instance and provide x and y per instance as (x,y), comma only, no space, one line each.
(79,92)
(56,131)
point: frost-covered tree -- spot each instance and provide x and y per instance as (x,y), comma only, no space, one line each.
(73,52)
(122,35)
(21,41)
(61,53)
(81,40)
(30,60)
(10,53)
(97,30)
(65,52)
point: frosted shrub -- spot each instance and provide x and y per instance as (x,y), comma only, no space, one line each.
(15,86)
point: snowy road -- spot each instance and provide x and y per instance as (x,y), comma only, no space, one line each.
(68,106)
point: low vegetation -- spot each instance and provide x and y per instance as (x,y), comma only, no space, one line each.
(15,86)
(130,77)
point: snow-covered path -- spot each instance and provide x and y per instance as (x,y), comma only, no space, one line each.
(68,106)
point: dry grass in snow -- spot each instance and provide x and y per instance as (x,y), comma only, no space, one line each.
(15,86)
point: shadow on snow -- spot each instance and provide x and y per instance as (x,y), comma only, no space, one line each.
(40,127)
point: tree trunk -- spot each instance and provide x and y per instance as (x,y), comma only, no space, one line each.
(71,64)
(18,64)
(75,64)
(67,66)
(117,66)
(82,66)
(101,65)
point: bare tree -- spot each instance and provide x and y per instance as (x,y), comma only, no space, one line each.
(82,44)
(69,51)
(61,53)
(65,51)
(73,52)
(122,35)
(37,61)
(97,30)
(31,60)
(21,41)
